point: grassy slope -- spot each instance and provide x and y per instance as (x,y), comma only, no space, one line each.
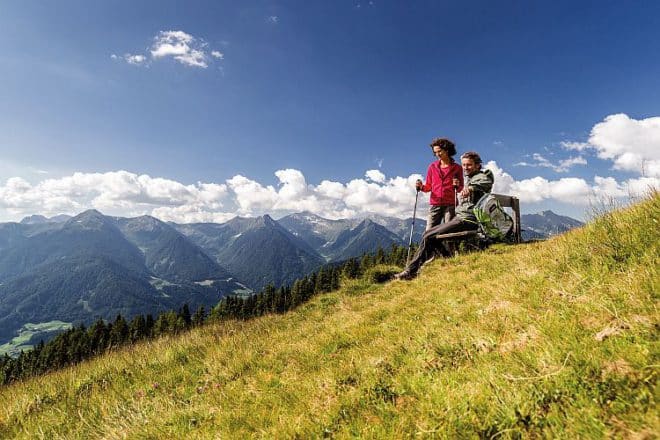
(511,351)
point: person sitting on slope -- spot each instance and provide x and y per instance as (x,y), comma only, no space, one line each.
(478,183)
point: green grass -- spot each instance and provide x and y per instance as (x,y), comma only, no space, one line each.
(554,340)
(30,334)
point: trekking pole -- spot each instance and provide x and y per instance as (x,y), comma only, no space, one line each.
(412,227)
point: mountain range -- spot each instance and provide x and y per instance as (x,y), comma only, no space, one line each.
(258,251)
(546,224)
(337,240)
(78,269)
(94,266)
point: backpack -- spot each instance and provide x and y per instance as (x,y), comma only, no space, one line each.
(493,221)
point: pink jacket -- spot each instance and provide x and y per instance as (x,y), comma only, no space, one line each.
(440,182)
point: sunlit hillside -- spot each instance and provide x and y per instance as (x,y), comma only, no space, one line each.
(551,339)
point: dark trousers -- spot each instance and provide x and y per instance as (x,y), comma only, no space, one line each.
(429,245)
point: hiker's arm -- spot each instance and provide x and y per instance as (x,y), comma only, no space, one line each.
(426,187)
(461,182)
(458,180)
(465,192)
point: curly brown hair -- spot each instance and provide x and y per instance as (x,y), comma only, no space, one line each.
(445,144)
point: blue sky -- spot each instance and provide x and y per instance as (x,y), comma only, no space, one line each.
(201,110)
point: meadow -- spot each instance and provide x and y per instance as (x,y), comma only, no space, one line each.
(555,339)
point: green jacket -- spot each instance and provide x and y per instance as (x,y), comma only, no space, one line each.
(480,183)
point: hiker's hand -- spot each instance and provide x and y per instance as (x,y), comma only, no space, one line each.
(418,185)
(465,193)
(456,182)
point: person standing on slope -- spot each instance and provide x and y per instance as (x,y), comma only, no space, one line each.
(441,177)
(478,183)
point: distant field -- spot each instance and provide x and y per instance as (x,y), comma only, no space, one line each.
(30,335)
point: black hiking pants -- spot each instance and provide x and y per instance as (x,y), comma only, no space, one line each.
(429,245)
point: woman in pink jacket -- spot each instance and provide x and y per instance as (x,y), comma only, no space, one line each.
(441,178)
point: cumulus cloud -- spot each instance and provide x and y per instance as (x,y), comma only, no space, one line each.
(178,45)
(181,46)
(117,193)
(375,176)
(251,196)
(632,145)
(572,190)
(128,194)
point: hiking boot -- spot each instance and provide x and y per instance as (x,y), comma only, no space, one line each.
(406,275)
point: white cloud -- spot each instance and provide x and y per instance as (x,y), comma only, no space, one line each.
(375,176)
(331,190)
(135,60)
(251,196)
(572,190)
(190,214)
(576,146)
(179,45)
(128,194)
(116,193)
(566,164)
(273,19)
(632,145)
(562,167)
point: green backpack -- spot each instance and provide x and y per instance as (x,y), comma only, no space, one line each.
(493,221)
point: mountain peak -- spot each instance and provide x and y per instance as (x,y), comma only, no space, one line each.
(268,220)
(144,223)
(366,223)
(90,219)
(40,219)
(34,219)
(90,213)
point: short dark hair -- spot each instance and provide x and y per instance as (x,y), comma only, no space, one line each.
(472,155)
(444,144)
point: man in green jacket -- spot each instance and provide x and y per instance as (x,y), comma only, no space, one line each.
(478,182)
